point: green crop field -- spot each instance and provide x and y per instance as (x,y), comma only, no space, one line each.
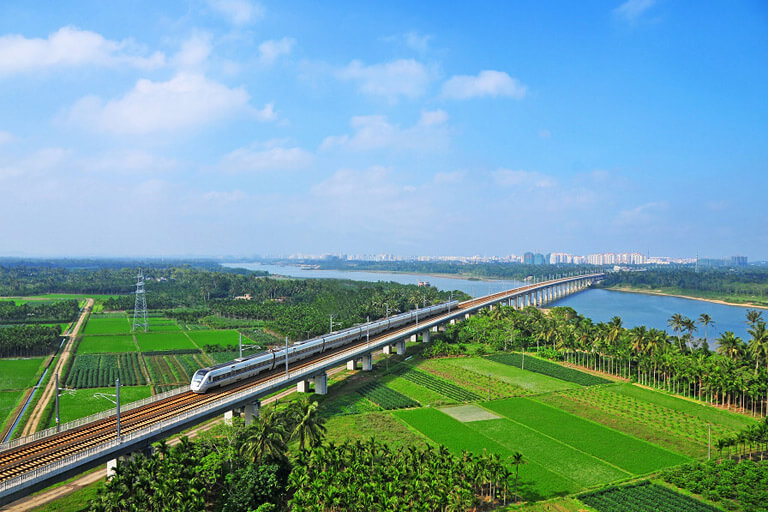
(673,422)
(74,404)
(115,343)
(626,452)
(532,382)
(381,426)
(174,369)
(19,374)
(479,382)
(151,342)
(536,480)
(100,370)
(349,403)
(643,497)
(419,393)
(534,364)
(219,337)
(107,326)
(8,402)
(163,324)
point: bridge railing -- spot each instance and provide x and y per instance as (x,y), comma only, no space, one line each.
(89,419)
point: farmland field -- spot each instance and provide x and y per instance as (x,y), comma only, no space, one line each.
(643,497)
(151,342)
(534,364)
(536,481)
(74,404)
(220,337)
(97,325)
(525,380)
(19,374)
(380,425)
(621,450)
(101,370)
(8,401)
(173,369)
(111,344)
(480,382)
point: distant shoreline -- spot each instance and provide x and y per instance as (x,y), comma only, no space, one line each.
(714,301)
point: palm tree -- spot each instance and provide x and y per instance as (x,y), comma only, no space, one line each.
(690,326)
(517,459)
(706,320)
(676,323)
(730,345)
(754,316)
(265,437)
(309,427)
(758,345)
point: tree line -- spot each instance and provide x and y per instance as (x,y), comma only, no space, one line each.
(29,340)
(280,462)
(38,312)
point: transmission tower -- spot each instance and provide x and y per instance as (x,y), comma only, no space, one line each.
(140,307)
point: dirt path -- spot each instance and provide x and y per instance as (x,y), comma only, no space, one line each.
(45,497)
(37,413)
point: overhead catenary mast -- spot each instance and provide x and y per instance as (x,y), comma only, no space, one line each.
(140,306)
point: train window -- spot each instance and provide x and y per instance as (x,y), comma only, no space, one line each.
(199,375)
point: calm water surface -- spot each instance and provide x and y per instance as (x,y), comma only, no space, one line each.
(599,305)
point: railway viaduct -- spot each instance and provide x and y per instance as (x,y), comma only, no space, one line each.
(35,462)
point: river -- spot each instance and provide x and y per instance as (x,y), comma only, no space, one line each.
(599,305)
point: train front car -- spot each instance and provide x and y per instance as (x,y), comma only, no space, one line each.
(199,382)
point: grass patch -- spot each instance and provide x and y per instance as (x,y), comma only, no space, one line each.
(8,402)
(385,397)
(113,344)
(536,481)
(219,337)
(379,425)
(485,384)
(628,453)
(419,393)
(19,374)
(534,364)
(77,501)
(532,382)
(75,404)
(436,384)
(108,326)
(149,342)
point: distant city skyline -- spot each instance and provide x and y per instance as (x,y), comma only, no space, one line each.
(208,127)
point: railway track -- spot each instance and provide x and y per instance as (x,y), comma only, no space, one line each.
(27,457)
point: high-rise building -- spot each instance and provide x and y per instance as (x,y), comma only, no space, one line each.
(528,258)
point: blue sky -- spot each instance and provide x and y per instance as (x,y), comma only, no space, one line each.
(231,127)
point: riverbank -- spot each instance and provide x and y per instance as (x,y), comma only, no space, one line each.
(666,294)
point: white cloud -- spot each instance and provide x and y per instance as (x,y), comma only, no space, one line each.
(418,42)
(271,159)
(525,179)
(194,52)
(631,10)
(71,47)
(42,162)
(640,215)
(270,50)
(404,77)
(215,196)
(183,102)
(375,132)
(448,178)
(486,83)
(430,118)
(239,12)
(129,161)
(5,137)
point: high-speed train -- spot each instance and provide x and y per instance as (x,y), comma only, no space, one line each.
(246,367)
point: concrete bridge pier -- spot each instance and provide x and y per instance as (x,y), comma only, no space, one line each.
(352,364)
(302,386)
(387,349)
(400,347)
(321,384)
(251,411)
(414,337)
(367,362)
(425,336)
(111,467)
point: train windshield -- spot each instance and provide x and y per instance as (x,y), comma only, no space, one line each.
(199,375)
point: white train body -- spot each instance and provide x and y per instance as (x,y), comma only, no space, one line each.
(247,367)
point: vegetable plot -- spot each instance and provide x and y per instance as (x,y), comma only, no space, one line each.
(101,370)
(438,385)
(537,365)
(643,497)
(385,397)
